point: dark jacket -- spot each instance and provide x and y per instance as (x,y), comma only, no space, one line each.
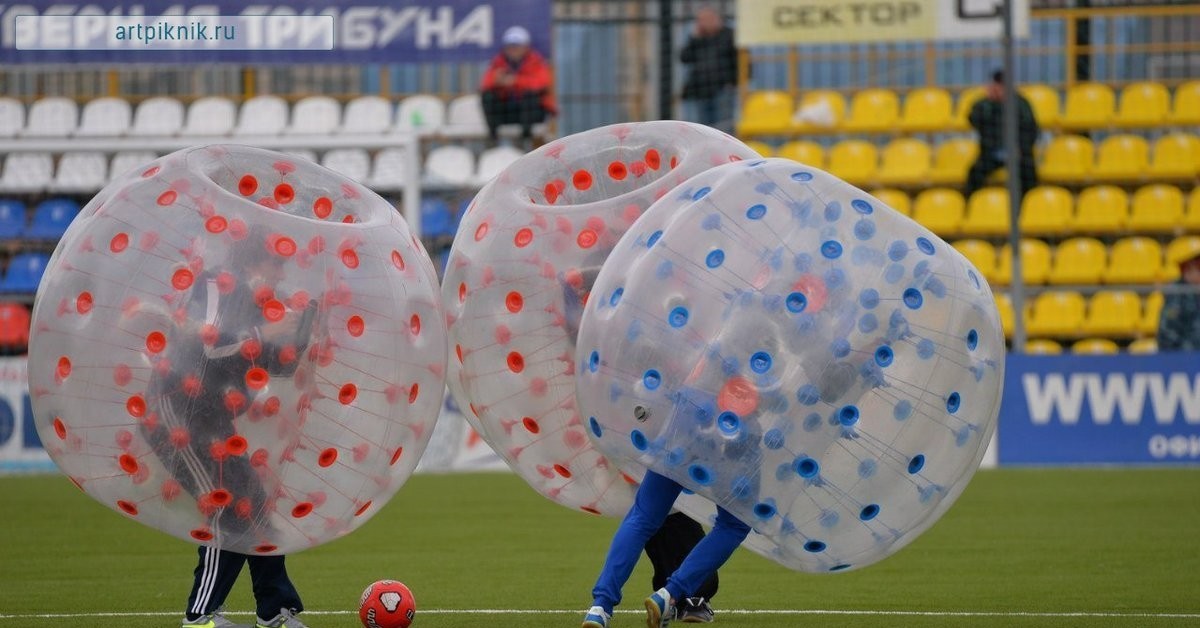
(1179,323)
(987,118)
(712,63)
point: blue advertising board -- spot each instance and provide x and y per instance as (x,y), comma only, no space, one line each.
(1118,409)
(360,31)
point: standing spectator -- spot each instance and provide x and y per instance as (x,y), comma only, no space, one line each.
(987,117)
(708,92)
(1179,324)
(518,86)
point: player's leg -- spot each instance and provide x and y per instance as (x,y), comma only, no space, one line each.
(667,549)
(978,174)
(708,556)
(275,597)
(214,578)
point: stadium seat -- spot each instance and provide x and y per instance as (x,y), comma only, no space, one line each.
(493,161)
(436,219)
(1068,159)
(51,117)
(1046,210)
(80,173)
(981,254)
(51,219)
(940,210)
(12,218)
(449,166)
(1122,158)
(1156,208)
(1151,312)
(422,114)
(1176,156)
(12,117)
(367,114)
(962,109)
(1078,261)
(24,272)
(1143,346)
(1191,220)
(854,160)
(1095,346)
(804,151)
(896,199)
(1041,346)
(262,115)
(873,110)
(127,161)
(1101,209)
(765,113)
(827,106)
(211,115)
(158,117)
(1007,317)
(952,159)
(762,148)
(988,213)
(1113,313)
(1144,104)
(1088,106)
(389,172)
(353,163)
(1178,250)
(105,117)
(1044,101)
(1035,263)
(905,161)
(1057,314)
(464,117)
(14,327)
(1186,111)
(927,109)
(315,115)
(26,172)
(1134,260)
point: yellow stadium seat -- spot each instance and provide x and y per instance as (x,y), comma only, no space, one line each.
(1144,105)
(1046,210)
(1095,346)
(1113,313)
(1088,106)
(1151,313)
(1057,314)
(980,253)
(1187,105)
(1102,209)
(1175,157)
(1191,220)
(1122,158)
(940,210)
(927,109)
(1007,318)
(1134,260)
(1143,346)
(966,99)
(1068,159)
(1078,261)
(854,160)
(1035,263)
(905,161)
(1041,346)
(1180,249)
(952,159)
(896,199)
(1044,102)
(1156,208)
(825,98)
(803,151)
(765,113)
(762,148)
(988,213)
(873,110)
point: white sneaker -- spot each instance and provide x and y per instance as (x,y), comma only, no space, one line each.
(285,619)
(596,618)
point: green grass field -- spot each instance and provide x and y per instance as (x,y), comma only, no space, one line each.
(1020,548)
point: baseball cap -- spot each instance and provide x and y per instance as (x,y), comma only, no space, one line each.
(515,36)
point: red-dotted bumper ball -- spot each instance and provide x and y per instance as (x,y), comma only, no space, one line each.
(519,273)
(789,347)
(238,348)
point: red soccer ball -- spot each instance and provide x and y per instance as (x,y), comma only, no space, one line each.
(387,604)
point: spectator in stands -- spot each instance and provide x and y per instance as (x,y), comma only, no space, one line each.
(708,92)
(987,117)
(1179,325)
(518,86)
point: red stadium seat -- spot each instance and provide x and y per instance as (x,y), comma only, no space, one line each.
(14,327)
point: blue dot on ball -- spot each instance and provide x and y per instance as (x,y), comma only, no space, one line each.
(840,567)
(913,298)
(595,425)
(711,222)
(651,379)
(675,457)
(760,362)
(867,323)
(814,547)
(831,249)
(639,440)
(833,211)
(764,510)
(864,229)
(925,245)
(594,361)
(903,410)
(812,422)
(829,518)
(715,258)
(893,273)
(616,296)
(802,262)
(926,349)
(869,298)
(756,211)
(773,439)
(634,331)
(701,193)
(796,302)
(916,463)
(678,317)
(808,395)
(664,269)
(653,238)
(834,279)
(741,487)
(884,356)
(840,348)
(806,467)
(765,187)
(972,339)
(974,279)
(897,251)
(848,415)
(962,436)
(700,474)
(867,468)
(802,176)
(953,402)
(729,423)
(869,512)
(936,287)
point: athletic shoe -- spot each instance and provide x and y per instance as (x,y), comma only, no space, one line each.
(596,618)
(285,619)
(215,619)
(659,609)
(694,610)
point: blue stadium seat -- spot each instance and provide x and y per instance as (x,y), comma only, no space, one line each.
(436,219)
(12,218)
(24,272)
(51,219)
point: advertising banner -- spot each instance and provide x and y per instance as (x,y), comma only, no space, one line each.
(20,447)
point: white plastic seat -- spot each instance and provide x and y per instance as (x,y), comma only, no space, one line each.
(262,115)
(26,172)
(212,115)
(157,117)
(105,117)
(367,114)
(315,115)
(80,173)
(12,117)
(422,114)
(464,117)
(51,117)
(128,161)
(450,166)
(351,162)
(390,171)
(494,160)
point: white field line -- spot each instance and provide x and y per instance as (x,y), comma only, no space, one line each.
(783,612)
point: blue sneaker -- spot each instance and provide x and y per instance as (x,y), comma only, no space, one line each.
(660,609)
(596,618)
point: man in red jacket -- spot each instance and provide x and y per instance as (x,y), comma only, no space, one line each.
(517,87)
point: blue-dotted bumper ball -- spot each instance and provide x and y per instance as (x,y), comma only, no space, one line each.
(786,345)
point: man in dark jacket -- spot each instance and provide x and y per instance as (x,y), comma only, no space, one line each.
(987,117)
(1179,323)
(708,92)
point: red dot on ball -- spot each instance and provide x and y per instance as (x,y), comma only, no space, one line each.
(83,302)
(128,463)
(414,325)
(273,310)
(350,258)
(63,370)
(523,238)
(362,509)
(136,406)
(201,534)
(516,362)
(587,239)
(150,172)
(119,242)
(182,279)
(302,509)
(285,246)
(397,260)
(653,159)
(247,185)
(322,207)
(462,292)
(562,470)
(257,377)
(156,341)
(617,170)
(128,507)
(582,179)
(514,302)
(347,393)
(284,193)
(481,231)
(531,425)
(413,392)
(327,457)
(166,198)
(355,326)
(60,428)
(265,549)
(396,455)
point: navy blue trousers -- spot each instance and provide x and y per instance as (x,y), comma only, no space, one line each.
(219,569)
